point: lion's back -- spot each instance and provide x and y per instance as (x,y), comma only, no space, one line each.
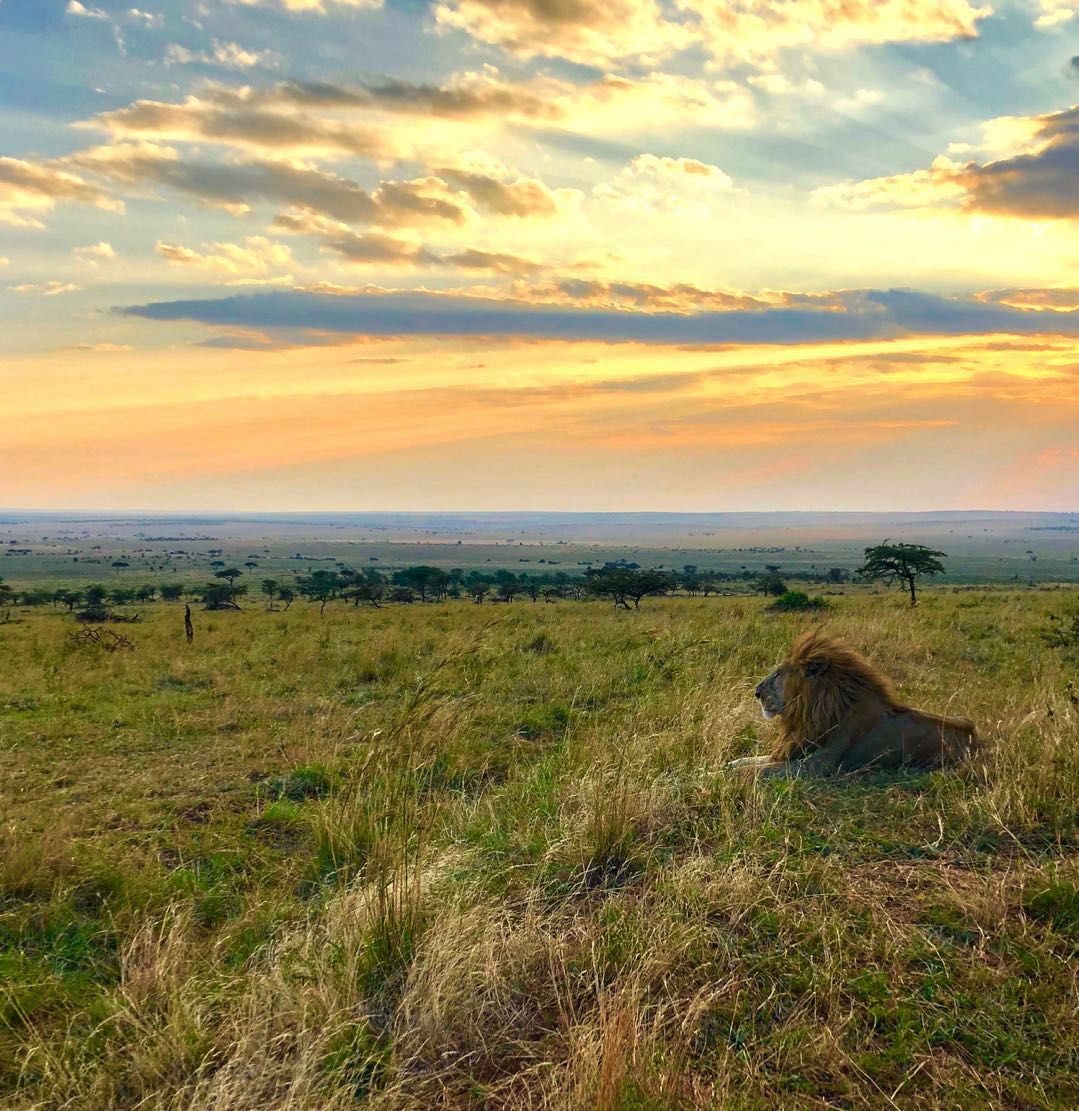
(905,737)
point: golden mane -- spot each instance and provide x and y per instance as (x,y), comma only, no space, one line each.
(824,681)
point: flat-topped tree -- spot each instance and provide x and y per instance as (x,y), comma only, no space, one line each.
(902,563)
(625,584)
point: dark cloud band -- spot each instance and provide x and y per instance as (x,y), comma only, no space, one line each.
(866,315)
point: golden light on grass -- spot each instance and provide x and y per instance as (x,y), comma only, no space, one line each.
(404,858)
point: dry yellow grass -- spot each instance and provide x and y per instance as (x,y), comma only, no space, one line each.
(463,856)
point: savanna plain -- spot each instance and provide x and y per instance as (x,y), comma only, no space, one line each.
(489,856)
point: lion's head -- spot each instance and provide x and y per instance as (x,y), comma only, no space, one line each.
(814,689)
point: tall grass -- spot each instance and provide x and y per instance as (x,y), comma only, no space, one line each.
(419,857)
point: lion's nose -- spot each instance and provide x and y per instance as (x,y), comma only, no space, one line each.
(757,692)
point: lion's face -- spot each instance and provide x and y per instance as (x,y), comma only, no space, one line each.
(771,692)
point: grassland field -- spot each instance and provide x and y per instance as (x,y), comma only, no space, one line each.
(982,548)
(471,856)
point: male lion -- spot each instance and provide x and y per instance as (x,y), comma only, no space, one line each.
(838,713)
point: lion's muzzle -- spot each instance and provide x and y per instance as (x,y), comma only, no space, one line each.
(769,696)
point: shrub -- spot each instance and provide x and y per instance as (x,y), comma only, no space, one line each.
(93,614)
(795,601)
(1063,630)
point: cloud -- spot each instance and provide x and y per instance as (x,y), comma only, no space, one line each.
(920,189)
(1054,299)
(77,9)
(303,119)
(198,120)
(872,314)
(450,199)
(495,262)
(228,55)
(1036,181)
(311,7)
(379,249)
(682,187)
(593,32)
(236,185)
(95,253)
(255,255)
(1055,13)
(45,289)
(376,249)
(147,19)
(1037,184)
(601,32)
(466,96)
(753,30)
(29,189)
(101,348)
(521,197)
(682,297)
(778,84)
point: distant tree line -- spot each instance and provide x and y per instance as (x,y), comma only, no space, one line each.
(623,582)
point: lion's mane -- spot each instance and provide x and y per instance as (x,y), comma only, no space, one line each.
(825,683)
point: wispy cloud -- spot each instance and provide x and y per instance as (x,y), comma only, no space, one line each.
(30,189)
(45,289)
(257,255)
(227,55)
(96,253)
(309,7)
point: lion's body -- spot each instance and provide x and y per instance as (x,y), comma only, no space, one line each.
(838,713)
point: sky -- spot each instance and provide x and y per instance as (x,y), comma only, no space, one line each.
(686,255)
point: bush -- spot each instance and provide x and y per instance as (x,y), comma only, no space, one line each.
(795,601)
(1063,630)
(93,614)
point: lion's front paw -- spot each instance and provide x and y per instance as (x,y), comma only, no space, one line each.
(747,762)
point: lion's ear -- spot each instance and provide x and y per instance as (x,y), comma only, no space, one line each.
(816,666)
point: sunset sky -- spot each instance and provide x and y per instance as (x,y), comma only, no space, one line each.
(539,254)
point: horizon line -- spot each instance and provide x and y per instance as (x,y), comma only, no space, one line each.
(227,513)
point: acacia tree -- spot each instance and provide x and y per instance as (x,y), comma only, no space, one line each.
(95,594)
(901,563)
(428,582)
(531,585)
(67,598)
(320,586)
(221,596)
(771,583)
(506,586)
(625,584)
(367,589)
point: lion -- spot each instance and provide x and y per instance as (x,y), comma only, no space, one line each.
(838,713)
